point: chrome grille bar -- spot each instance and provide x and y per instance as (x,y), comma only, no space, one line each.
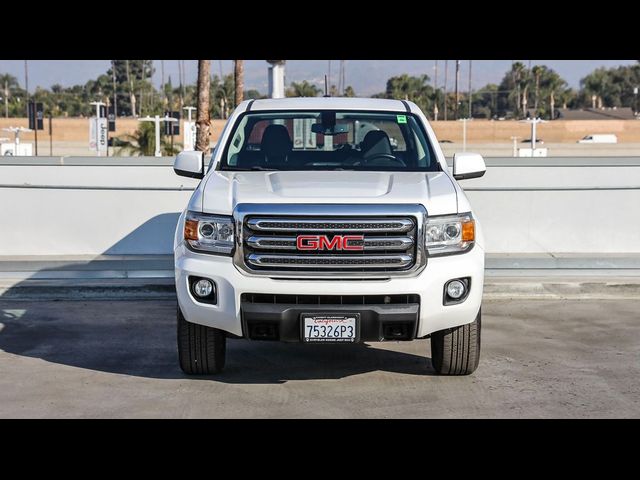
(393,244)
(283,224)
(289,243)
(330,261)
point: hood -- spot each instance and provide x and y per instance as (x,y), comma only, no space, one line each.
(222,191)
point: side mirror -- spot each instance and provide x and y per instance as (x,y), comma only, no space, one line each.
(189,164)
(468,165)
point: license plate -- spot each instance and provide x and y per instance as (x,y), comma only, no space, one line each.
(329,328)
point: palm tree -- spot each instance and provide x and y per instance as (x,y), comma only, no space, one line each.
(415,89)
(238,73)
(132,95)
(142,142)
(555,86)
(303,89)
(8,83)
(222,94)
(538,71)
(596,85)
(516,81)
(203,122)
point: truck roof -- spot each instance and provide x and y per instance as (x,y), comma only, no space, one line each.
(329,103)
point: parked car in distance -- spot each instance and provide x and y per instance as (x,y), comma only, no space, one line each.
(599,138)
(538,140)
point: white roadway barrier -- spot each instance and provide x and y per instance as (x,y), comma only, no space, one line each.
(92,206)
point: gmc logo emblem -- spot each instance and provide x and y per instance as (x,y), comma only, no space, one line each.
(322,242)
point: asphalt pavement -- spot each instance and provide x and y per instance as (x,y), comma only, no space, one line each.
(541,358)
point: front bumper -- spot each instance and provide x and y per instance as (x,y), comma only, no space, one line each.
(264,321)
(231,284)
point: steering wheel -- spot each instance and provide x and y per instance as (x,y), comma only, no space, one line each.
(386,156)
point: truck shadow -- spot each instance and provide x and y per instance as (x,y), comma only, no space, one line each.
(138,338)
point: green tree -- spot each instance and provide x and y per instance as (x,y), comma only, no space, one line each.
(596,86)
(349,91)
(302,89)
(537,71)
(552,87)
(143,142)
(222,93)
(9,85)
(516,81)
(253,94)
(485,101)
(415,89)
(132,82)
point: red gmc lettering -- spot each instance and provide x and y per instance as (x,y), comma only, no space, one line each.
(307,242)
(322,242)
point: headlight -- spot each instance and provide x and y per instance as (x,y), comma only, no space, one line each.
(450,234)
(209,233)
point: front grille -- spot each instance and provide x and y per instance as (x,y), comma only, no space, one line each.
(396,299)
(269,243)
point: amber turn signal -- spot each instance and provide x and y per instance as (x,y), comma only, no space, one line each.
(191,230)
(469,231)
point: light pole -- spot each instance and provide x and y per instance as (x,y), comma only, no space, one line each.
(189,110)
(470,95)
(157,119)
(635,92)
(189,133)
(534,123)
(26,83)
(98,105)
(16,140)
(464,133)
(455,111)
(446,69)
(435,90)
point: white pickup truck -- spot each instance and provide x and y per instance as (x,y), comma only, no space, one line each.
(329,220)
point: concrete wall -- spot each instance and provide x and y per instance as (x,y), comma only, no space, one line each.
(89,206)
(557,131)
(77,130)
(478,131)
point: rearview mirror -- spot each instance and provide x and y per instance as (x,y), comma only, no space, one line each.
(329,129)
(468,165)
(189,164)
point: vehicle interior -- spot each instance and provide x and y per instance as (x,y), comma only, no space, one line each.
(328,140)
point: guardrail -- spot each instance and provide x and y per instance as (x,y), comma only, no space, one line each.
(129,205)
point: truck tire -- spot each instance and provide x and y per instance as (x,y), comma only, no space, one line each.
(201,349)
(456,351)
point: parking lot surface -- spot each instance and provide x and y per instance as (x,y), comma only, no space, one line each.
(117,359)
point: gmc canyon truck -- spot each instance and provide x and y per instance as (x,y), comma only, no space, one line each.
(328,220)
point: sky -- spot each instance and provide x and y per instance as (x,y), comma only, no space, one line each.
(366,76)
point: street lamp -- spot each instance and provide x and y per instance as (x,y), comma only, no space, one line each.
(464,133)
(157,119)
(534,123)
(16,131)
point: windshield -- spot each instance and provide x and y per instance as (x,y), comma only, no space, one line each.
(328,140)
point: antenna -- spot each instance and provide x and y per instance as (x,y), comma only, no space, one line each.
(326,89)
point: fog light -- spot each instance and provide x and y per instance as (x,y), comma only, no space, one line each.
(203,288)
(455,289)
